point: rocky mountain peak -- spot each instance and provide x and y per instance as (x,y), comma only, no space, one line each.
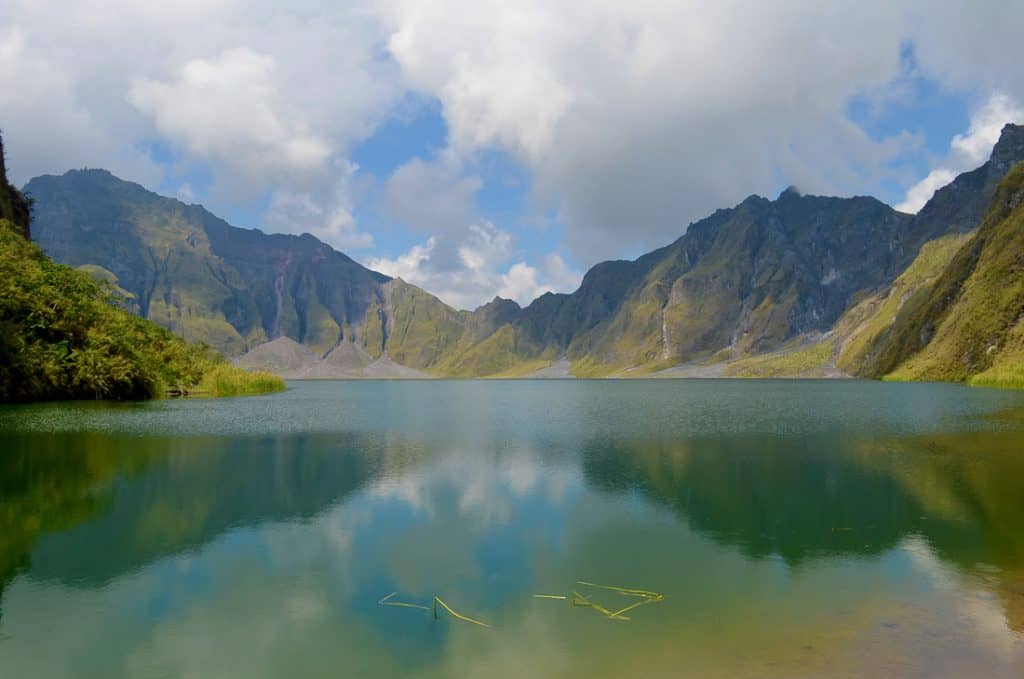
(1009,150)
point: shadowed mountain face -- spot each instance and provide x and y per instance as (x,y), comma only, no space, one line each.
(968,325)
(743,281)
(197,275)
(749,278)
(237,289)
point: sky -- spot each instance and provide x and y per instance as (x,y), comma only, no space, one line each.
(496,147)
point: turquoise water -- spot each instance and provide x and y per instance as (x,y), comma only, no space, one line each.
(794,528)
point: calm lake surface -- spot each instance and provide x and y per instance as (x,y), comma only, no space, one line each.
(795,528)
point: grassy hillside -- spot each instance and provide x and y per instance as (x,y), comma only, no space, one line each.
(866,329)
(757,280)
(810,360)
(970,326)
(852,345)
(62,337)
(197,275)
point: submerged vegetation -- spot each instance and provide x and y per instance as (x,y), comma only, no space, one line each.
(437,601)
(643,597)
(576,599)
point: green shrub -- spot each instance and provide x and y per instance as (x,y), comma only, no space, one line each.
(61,337)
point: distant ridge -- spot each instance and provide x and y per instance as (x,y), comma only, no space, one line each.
(745,281)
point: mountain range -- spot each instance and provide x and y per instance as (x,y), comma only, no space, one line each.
(797,285)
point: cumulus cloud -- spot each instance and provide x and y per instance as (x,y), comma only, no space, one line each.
(966,151)
(432,197)
(482,269)
(47,128)
(466,260)
(229,108)
(326,214)
(630,118)
(261,100)
(637,117)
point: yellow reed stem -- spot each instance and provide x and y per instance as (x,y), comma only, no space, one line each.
(386,601)
(437,600)
(550,596)
(624,590)
(580,600)
(638,604)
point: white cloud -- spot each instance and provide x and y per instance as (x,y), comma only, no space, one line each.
(264,99)
(524,283)
(637,117)
(631,118)
(185,193)
(465,261)
(47,128)
(326,214)
(921,192)
(432,197)
(482,270)
(966,151)
(230,108)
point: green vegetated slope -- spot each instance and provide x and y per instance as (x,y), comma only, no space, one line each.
(766,279)
(234,288)
(848,348)
(753,280)
(193,273)
(956,314)
(14,207)
(970,324)
(61,336)
(867,326)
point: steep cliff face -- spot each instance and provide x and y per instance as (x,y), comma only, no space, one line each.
(749,279)
(62,339)
(197,275)
(969,324)
(961,205)
(744,281)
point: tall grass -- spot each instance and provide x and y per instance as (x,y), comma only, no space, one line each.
(230,380)
(1002,377)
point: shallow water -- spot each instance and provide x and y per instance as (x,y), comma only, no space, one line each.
(795,528)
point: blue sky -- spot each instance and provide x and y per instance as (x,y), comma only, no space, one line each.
(493,148)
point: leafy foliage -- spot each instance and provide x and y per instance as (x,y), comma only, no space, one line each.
(61,336)
(14,206)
